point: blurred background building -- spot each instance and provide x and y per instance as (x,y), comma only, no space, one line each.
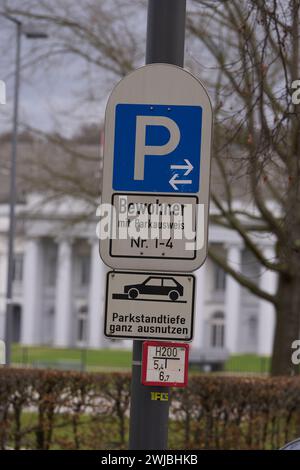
(59,278)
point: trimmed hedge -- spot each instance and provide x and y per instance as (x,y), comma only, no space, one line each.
(42,409)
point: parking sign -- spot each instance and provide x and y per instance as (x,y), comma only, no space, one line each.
(157,171)
(157,148)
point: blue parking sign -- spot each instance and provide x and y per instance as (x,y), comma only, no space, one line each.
(157,148)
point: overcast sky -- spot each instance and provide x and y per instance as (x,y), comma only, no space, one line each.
(52,95)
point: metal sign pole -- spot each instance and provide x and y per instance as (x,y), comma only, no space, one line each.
(12,203)
(150,405)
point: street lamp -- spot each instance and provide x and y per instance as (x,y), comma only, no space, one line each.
(30,33)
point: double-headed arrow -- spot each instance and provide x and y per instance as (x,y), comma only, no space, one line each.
(174,181)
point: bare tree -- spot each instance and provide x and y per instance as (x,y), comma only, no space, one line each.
(99,32)
(253,50)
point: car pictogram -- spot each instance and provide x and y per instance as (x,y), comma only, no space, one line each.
(156,285)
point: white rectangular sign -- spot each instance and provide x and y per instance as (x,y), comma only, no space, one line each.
(165,364)
(154,227)
(143,305)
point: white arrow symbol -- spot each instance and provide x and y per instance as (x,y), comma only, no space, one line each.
(174,181)
(188,167)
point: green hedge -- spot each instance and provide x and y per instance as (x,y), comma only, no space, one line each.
(54,410)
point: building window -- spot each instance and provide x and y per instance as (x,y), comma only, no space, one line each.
(219,278)
(18,268)
(82,325)
(51,312)
(16,323)
(51,270)
(217,336)
(253,326)
(84,270)
(50,263)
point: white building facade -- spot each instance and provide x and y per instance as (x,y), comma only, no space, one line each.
(59,286)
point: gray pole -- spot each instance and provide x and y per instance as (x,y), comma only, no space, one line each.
(166,32)
(12,201)
(149,418)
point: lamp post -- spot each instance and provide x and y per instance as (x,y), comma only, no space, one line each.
(30,33)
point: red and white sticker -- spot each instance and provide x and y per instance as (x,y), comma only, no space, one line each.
(165,363)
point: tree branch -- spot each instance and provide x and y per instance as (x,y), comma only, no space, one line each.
(240,278)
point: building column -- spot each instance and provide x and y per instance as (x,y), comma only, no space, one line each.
(96,337)
(266,317)
(32,285)
(232,301)
(199,309)
(63,301)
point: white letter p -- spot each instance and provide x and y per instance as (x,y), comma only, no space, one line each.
(141,149)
